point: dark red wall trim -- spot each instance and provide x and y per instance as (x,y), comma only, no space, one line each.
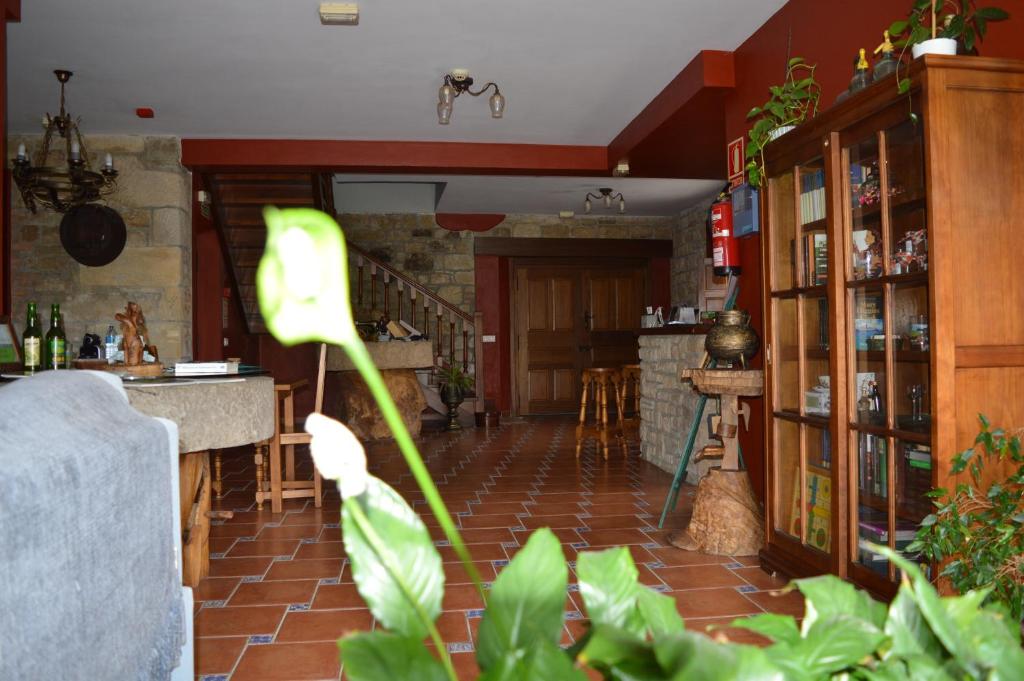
(393,156)
(575,248)
(468,222)
(10,10)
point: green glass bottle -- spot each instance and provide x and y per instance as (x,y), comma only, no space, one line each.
(32,342)
(55,340)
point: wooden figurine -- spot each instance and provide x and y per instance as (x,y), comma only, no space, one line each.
(133,325)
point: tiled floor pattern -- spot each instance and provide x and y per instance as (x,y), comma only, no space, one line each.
(280,590)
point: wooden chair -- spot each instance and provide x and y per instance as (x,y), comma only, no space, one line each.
(599,381)
(279,488)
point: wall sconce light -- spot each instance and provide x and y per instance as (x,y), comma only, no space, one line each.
(607,198)
(457,82)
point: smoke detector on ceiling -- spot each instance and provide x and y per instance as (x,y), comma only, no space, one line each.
(339,13)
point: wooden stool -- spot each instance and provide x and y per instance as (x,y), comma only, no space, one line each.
(630,375)
(597,380)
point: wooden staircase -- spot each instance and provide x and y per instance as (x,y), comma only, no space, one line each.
(377,288)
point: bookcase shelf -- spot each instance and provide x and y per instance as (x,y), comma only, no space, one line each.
(839,275)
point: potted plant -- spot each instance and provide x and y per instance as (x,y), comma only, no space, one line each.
(790,104)
(454,385)
(633,631)
(937,26)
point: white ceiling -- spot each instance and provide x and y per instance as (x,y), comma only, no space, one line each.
(573,72)
(514,194)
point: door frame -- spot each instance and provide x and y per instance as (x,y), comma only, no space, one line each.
(580,263)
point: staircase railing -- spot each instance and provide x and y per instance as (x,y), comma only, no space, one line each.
(380,286)
(461,325)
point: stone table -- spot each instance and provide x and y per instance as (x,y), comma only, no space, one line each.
(348,398)
(211,414)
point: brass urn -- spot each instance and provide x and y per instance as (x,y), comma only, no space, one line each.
(731,339)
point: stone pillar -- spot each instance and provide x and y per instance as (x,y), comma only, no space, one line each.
(153,197)
(667,404)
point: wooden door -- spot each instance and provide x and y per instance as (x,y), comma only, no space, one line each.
(549,328)
(613,302)
(569,317)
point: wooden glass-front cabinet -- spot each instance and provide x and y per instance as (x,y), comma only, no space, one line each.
(894,310)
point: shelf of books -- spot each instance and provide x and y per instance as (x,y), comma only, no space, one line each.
(887,300)
(801,358)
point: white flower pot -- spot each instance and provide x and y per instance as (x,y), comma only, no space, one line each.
(780,131)
(934,46)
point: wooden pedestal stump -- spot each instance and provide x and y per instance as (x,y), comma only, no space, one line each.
(726,517)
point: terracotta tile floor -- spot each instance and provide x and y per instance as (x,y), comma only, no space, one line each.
(280,591)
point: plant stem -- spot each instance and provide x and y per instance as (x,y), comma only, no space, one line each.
(360,357)
(366,527)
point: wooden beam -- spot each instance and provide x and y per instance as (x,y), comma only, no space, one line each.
(709,70)
(393,157)
(588,248)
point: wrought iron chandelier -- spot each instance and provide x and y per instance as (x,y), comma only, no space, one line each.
(457,82)
(607,198)
(62,188)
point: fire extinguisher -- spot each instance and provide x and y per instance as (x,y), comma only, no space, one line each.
(725,250)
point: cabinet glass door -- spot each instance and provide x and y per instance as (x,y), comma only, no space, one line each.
(801,391)
(888,343)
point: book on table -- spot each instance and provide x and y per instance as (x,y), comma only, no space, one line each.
(205,368)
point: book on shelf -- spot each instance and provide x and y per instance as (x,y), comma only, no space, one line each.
(872,465)
(868,320)
(874,526)
(204,368)
(818,510)
(918,455)
(812,196)
(816,259)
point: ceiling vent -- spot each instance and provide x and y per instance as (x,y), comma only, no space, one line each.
(339,13)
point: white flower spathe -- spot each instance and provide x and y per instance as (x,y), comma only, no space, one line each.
(338,454)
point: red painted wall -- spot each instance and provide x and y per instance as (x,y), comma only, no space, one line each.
(10,10)
(828,34)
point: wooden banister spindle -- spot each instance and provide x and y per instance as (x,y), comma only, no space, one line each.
(387,294)
(412,305)
(359,280)
(451,338)
(440,352)
(426,314)
(465,347)
(401,295)
(373,286)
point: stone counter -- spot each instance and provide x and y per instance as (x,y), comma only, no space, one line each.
(667,404)
(388,355)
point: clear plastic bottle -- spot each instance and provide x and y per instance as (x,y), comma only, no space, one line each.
(110,344)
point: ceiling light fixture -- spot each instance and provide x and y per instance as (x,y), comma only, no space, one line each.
(339,13)
(457,82)
(61,188)
(607,198)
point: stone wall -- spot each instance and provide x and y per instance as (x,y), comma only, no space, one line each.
(443,260)
(667,404)
(155,268)
(688,254)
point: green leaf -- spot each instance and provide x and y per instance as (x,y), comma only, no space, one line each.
(969,38)
(691,656)
(756,111)
(376,655)
(955,28)
(610,647)
(409,547)
(898,27)
(544,661)
(827,596)
(992,13)
(907,628)
(608,584)
(903,86)
(527,601)
(831,645)
(794,61)
(658,612)
(779,628)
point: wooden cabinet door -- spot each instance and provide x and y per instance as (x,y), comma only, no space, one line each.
(613,301)
(549,326)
